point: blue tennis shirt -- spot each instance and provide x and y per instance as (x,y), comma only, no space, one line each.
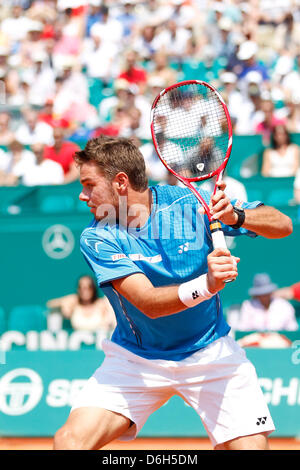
(171,248)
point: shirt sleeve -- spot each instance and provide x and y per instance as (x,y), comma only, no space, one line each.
(231,232)
(106,258)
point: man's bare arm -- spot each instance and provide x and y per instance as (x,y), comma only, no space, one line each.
(263,220)
(268,222)
(157,302)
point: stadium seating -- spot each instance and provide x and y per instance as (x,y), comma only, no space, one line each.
(27,317)
(57,203)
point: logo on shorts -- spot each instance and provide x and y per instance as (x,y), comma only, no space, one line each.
(195,294)
(261,420)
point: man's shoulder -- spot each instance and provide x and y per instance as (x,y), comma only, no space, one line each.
(92,229)
(98,232)
(170,196)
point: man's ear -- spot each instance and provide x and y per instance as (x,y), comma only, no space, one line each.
(121,182)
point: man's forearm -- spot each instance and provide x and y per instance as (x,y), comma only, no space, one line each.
(268,222)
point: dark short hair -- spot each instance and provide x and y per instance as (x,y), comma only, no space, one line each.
(113,155)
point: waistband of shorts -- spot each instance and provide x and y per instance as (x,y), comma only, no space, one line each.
(110,347)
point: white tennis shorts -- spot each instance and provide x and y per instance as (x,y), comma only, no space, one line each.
(219,382)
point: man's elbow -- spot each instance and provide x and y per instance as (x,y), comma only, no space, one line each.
(285,228)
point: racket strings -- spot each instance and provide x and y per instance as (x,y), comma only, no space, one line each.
(191,130)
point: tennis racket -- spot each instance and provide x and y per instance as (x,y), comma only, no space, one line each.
(192,135)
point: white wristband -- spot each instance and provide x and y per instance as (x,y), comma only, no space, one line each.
(194,292)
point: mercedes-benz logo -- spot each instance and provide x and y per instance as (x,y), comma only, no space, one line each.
(19,397)
(58,241)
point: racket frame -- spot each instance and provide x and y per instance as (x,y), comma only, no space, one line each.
(218,237)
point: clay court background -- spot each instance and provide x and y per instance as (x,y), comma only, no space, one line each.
(141,444)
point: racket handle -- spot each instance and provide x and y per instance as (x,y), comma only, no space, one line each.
(217,235)
(218,239)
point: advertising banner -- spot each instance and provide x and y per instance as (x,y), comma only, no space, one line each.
(37,389)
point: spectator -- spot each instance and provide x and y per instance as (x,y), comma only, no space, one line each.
(173,40)
(15,163)
(41,78)
(120,98)
(161,69)
(264,311)
(224,42)
(62,152)
(270,120)
(46,114)
(282,158)
(16,25)
(6,133)
(43,171)
(119,125)
(32,130)
(132,72)
(98,51)
(32,44)
(110,29)
(231,94)
(128,19)
(94,15)
(246,121)
(85,309)
(145,42)
(248,63)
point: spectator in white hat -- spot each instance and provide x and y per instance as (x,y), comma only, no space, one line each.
(43,171)
(247,56)
(41,78)
(96,50)
(110,29)
(232,95)
(16,25)
(14,164)
(263,312)
(32,129)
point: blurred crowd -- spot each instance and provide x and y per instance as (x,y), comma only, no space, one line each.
(73,69)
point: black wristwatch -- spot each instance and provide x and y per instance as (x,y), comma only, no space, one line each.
(241,217)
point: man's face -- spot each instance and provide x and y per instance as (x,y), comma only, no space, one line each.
(97,192)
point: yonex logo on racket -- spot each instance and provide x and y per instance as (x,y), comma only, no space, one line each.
(261,420)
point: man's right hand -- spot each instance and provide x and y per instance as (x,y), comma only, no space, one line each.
(221,266)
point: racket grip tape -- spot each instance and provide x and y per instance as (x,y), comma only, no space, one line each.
(217,235)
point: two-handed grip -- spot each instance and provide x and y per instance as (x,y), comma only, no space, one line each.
(218,239)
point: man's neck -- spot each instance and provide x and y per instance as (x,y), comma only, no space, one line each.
(138,208)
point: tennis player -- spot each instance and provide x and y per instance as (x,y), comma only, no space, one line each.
(151,252)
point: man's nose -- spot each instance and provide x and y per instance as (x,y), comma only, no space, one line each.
(83,196)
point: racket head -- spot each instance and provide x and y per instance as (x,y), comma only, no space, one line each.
(191,130)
